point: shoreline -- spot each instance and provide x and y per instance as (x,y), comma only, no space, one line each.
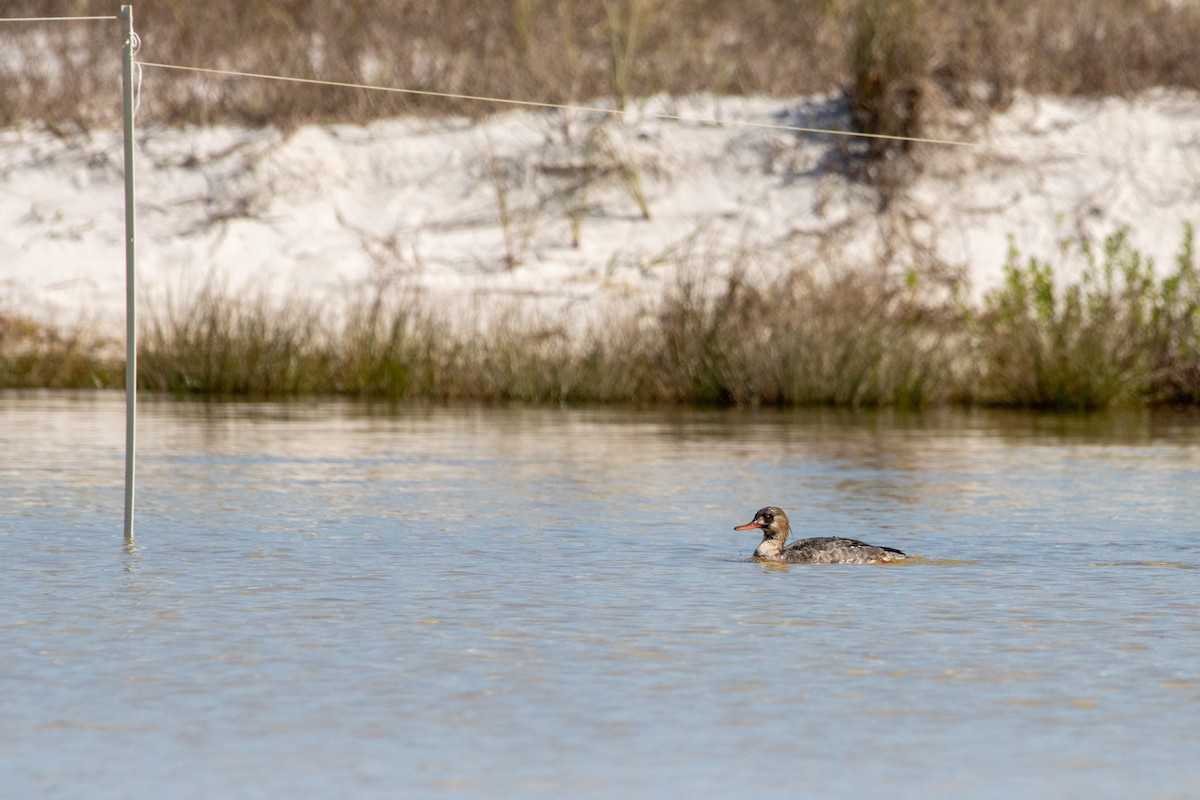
(539,240)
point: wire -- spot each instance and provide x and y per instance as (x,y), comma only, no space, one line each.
(558,106)
(51,19)
(662,116)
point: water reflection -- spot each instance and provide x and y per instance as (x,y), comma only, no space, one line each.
(330,598)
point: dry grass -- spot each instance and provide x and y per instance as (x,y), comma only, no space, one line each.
(37,355)
(896,60)
(218,345)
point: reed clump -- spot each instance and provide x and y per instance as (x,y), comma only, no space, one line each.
(219,344)
(37,355)
(844,339)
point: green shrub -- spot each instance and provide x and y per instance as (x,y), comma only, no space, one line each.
(1115,336)
(1175,330)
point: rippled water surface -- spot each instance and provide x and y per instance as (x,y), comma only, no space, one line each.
(332,600)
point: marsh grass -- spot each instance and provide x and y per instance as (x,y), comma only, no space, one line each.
(226,345)
(797,342)
(847,338)
(37,355)
(1120,333)
(800,341)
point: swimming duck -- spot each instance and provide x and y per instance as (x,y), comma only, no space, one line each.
(822,550)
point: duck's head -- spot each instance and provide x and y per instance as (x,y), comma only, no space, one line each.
(771,521)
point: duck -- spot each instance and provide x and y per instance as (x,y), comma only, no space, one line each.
(773,523)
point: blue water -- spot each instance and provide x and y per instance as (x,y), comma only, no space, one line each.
(329,599)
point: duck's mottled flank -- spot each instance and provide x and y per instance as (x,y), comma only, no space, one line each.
(773,523)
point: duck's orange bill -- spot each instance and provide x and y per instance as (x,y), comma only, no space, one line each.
(749,526)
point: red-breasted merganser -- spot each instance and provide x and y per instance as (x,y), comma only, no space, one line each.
(823,550)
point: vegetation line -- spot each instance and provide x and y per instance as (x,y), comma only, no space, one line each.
(1117,336)
(900,63)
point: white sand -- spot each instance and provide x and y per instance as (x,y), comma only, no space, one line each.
(324,209)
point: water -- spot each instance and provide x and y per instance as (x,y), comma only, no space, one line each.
(328,599)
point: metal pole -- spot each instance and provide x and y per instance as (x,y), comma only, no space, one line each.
(130,270)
